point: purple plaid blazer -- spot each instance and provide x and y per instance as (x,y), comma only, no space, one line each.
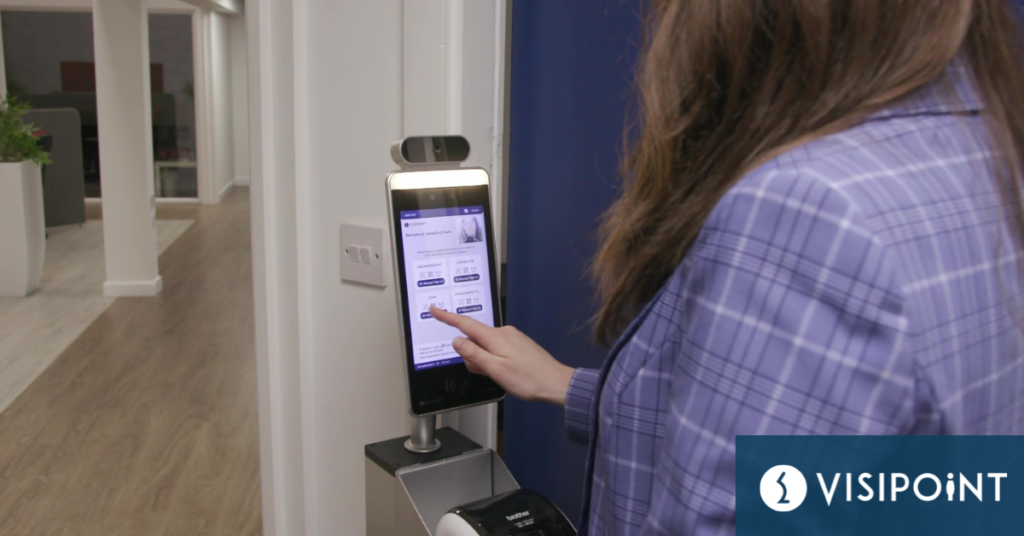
(864,283)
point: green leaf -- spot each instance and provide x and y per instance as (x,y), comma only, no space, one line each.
(18,141)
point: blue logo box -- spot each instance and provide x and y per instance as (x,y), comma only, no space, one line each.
(845,485)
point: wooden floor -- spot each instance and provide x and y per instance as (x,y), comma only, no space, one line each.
(147,423)
(36,329)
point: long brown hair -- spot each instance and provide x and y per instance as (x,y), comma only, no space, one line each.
(724,85)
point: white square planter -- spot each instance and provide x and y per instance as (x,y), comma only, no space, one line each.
(22,228)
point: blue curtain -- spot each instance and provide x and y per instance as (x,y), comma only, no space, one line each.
(571,77)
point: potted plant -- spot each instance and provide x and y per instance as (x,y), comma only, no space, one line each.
(22,227)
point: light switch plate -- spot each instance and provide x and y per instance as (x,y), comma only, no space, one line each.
(362,254)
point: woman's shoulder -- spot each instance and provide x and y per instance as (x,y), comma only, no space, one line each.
(814,211)
(878,170)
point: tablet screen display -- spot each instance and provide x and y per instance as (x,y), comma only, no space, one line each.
(444,256)
(446,265)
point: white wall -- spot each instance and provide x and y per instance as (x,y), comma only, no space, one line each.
(332,95)
(239,102)
(354,113)
(220,79)
(275,270)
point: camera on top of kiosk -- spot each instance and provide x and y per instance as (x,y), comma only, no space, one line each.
(443,248)
(448,151)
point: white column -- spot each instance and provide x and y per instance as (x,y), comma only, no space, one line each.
(211,50)
(220,92)
(239,103)
(204,129)
(121,40)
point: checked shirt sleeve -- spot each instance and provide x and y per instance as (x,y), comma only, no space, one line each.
(578,422)
(792,323)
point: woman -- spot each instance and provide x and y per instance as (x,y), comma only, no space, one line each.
(469,231)
(819,232)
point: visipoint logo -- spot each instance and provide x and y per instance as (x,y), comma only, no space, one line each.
(783,488)
(878,485)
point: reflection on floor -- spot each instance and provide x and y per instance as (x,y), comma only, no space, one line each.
(35,330)
(147,422)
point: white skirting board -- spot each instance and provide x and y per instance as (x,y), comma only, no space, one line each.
(242,180)
(224,191)
(120,289)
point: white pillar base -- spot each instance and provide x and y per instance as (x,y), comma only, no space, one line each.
(122,289)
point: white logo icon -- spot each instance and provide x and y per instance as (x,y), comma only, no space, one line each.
(783,488)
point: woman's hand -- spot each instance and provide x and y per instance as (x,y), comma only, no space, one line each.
(510,358)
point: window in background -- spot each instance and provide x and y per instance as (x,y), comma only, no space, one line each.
(50,64)
(174,132)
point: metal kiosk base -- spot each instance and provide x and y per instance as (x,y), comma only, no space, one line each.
(407,493)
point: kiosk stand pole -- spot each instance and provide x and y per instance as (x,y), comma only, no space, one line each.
(422,439)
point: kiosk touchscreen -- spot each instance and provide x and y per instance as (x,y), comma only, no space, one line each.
(444,256)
